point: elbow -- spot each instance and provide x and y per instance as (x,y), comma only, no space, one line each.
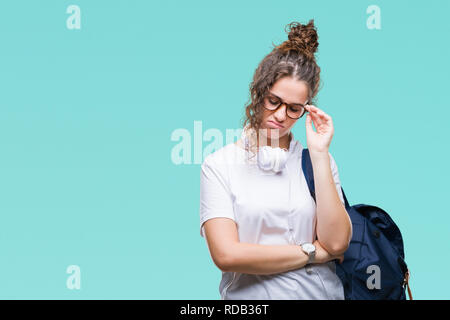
(224,262)
(338,249)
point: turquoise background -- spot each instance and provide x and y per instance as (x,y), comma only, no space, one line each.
(86,118)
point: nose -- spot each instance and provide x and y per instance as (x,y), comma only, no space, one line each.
(280,113)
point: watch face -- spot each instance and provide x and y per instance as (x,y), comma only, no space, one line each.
(309,247)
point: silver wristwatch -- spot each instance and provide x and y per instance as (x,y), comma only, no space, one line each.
(310,250)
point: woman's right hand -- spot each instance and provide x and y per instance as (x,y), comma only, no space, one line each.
(323,256)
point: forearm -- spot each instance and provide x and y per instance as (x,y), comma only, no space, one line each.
(265,259)
(333,223)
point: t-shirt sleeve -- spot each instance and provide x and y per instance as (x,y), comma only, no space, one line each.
(337,181)
(215,196)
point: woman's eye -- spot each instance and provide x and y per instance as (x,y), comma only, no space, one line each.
(273,102)
(294,109)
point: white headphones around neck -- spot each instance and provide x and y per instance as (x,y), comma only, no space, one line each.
(272,159)
(268,158)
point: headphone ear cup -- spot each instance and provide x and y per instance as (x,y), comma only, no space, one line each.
(281,159)
(272,159)
(268,158)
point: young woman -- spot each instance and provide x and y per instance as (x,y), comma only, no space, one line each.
(263,229)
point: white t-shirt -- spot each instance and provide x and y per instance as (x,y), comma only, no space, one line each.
(269,208)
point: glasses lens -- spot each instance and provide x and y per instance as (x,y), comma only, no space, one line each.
(272,103)
(295,112)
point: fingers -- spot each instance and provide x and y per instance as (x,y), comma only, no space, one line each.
(313,115)
(308,123)
(318,116)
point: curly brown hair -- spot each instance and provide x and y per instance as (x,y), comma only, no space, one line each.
(293,58)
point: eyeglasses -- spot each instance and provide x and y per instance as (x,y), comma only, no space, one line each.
(293,110)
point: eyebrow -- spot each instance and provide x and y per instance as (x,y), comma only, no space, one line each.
(301,104)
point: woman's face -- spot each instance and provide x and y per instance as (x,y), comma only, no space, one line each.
(290,90)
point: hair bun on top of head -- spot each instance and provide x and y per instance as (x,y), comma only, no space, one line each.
(302,38)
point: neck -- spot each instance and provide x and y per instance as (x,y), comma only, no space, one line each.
(282,142)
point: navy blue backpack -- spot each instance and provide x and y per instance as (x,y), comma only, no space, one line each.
(375,250)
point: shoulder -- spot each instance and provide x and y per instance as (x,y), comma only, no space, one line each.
(221,157)
(215,169)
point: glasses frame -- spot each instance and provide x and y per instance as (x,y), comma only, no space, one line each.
(294,105)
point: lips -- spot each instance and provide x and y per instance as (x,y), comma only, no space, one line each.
(274,125)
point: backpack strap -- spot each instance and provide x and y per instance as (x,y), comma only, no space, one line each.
(309,175)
